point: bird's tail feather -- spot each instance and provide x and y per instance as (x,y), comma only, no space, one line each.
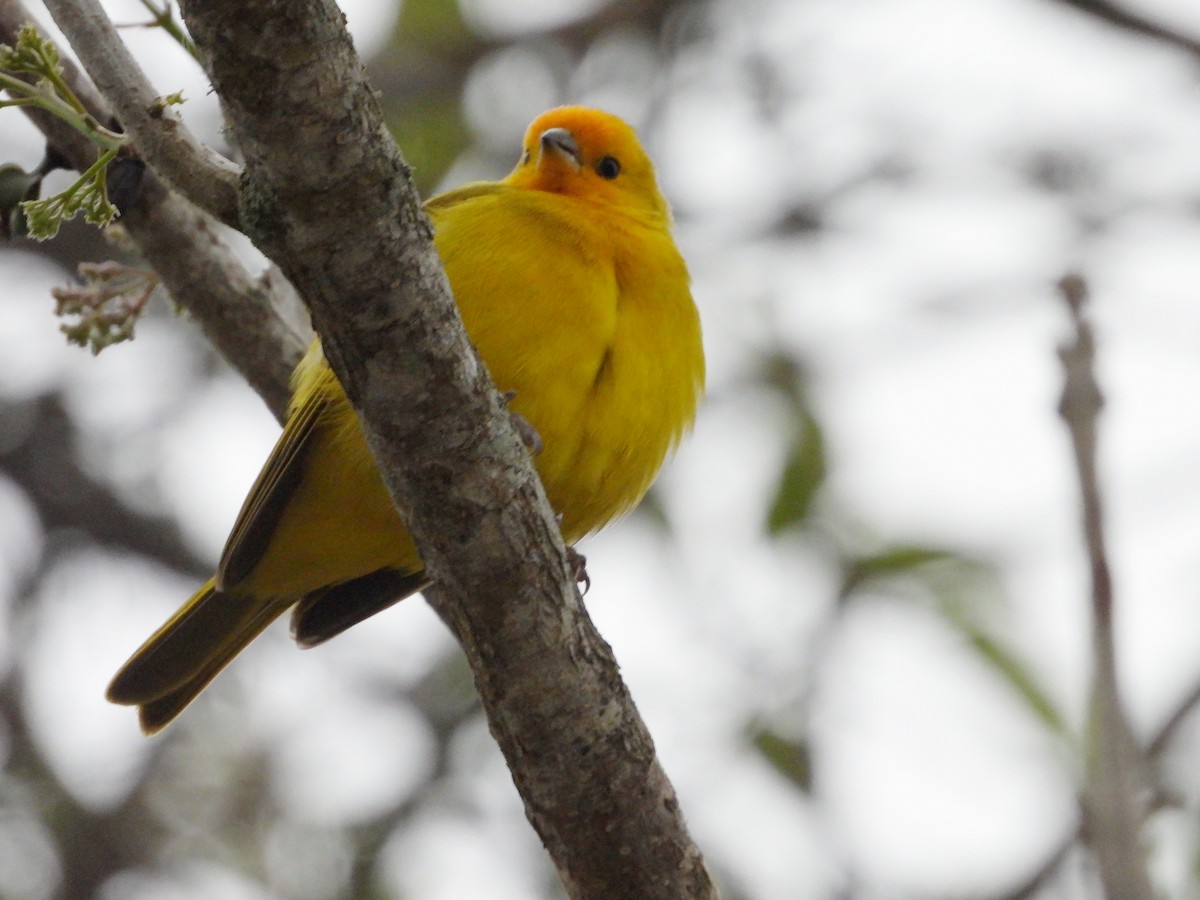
(179,660)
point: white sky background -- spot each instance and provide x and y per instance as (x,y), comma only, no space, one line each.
(924,307)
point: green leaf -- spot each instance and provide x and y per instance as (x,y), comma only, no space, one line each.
(958,587)
(790,758)
(803,473)
(897,560)
(1018,676)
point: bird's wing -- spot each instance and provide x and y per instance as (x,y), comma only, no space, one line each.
(328,612)
(466,192)
(268,498)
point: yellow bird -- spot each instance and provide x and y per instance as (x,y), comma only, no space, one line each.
(572,289)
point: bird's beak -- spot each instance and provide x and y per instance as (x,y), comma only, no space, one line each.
(560,142)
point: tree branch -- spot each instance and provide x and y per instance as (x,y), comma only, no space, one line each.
(326,195)
(1135,23)
(255,323)
(1166,733)
(73,145)
(206,178)
(1113,809)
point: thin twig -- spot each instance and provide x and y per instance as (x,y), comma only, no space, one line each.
(1159,743)
(1113,804)
(256,323)
(1040,878)
(197,171)
(164,18)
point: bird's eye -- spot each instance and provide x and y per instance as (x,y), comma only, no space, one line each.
(608,168)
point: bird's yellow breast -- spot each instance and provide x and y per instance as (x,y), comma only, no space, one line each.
(587,318)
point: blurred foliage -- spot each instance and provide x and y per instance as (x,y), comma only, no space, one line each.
(106,306)
(803,472)
(432,136)
(888,563)
(963,591)
(804,463)
(421,86)
(790,757)
(432,23)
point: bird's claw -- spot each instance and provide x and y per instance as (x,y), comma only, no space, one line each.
(577,565)
(525,431)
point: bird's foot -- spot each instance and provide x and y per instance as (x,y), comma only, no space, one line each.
(525,431)
(577,563)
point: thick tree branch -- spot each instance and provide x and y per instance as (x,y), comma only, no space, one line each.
(254,322)
(197,171)
(328,197)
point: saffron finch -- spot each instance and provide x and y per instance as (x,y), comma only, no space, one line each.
(571,287)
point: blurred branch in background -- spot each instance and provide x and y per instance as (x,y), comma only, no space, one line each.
(1121,16)
(38,453)
(1115,790)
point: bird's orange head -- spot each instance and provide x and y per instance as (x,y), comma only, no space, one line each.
(593,156)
